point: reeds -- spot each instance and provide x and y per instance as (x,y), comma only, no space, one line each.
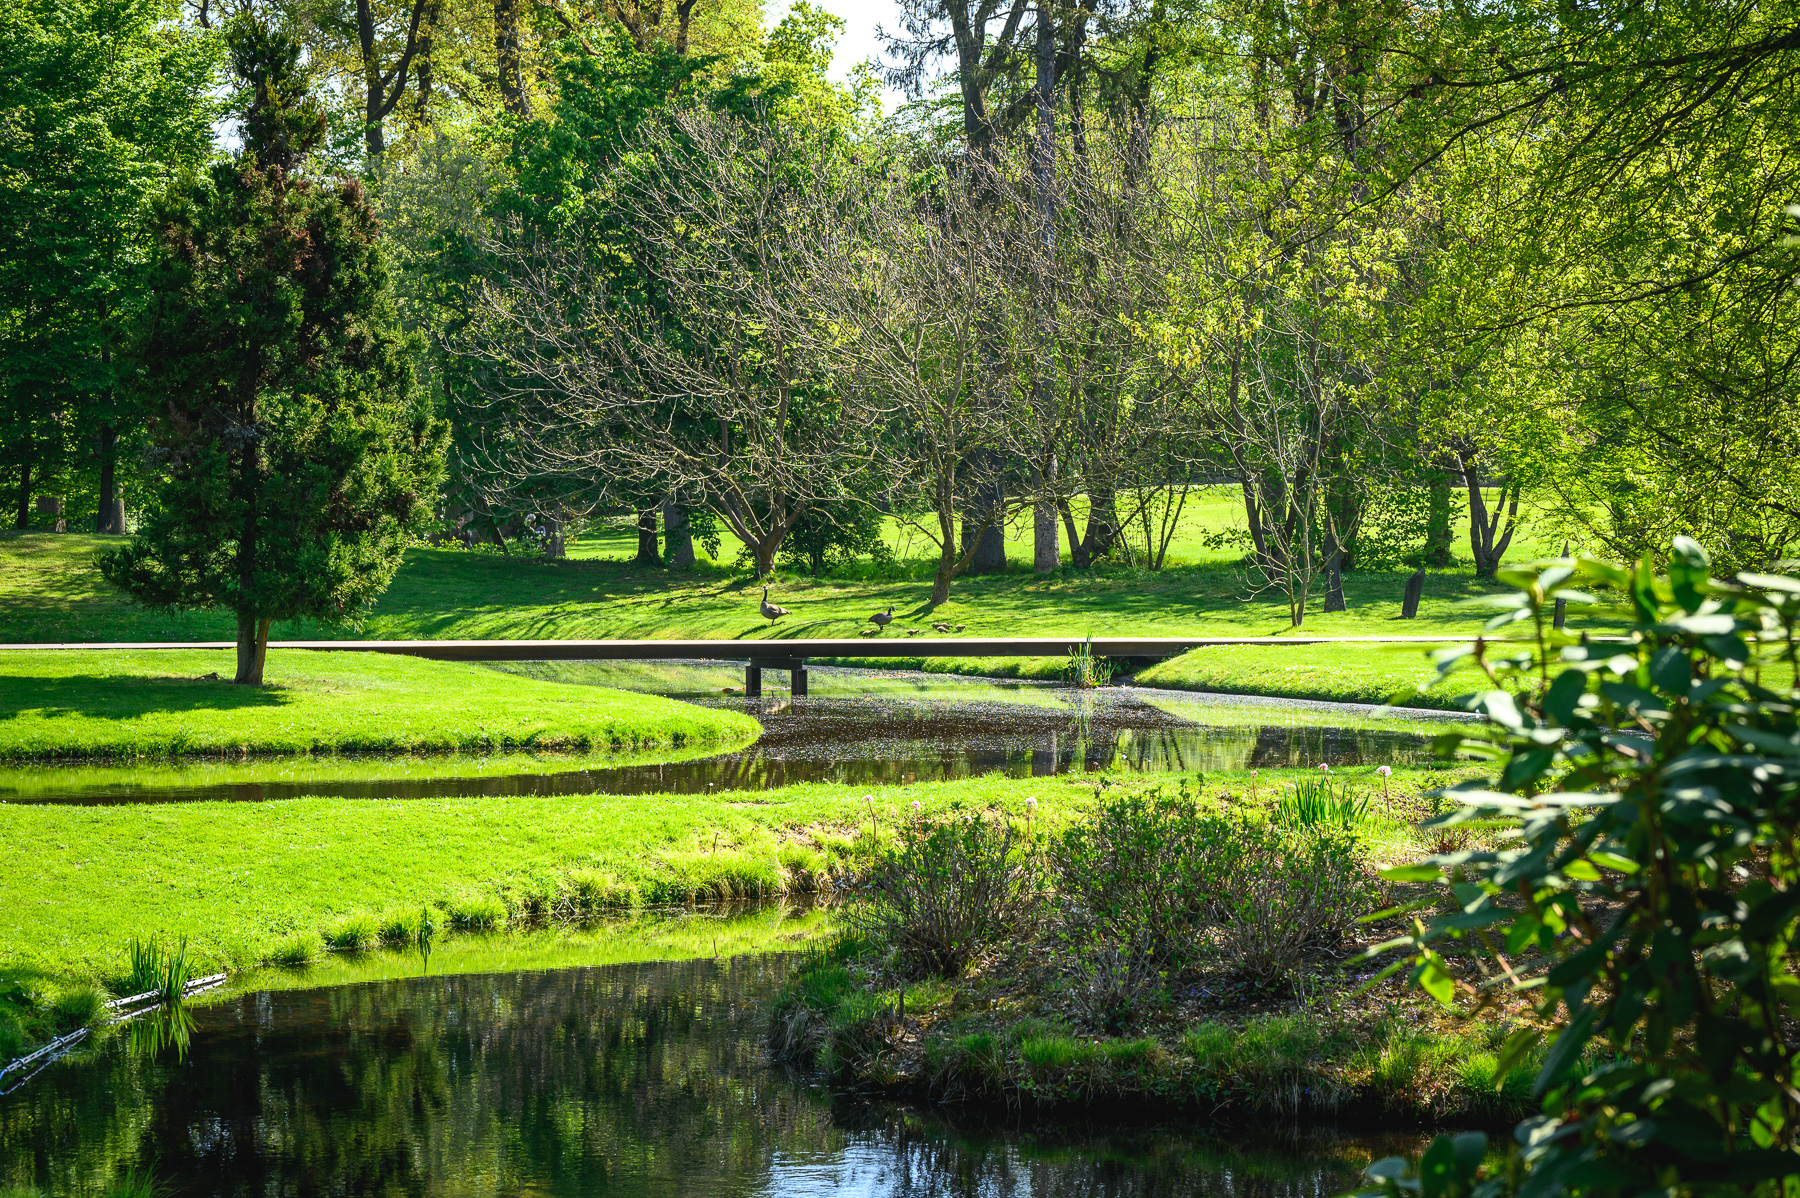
(1320,802)
(159,969)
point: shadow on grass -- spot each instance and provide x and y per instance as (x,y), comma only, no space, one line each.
(123,697)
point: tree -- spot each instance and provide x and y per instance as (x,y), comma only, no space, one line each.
(694,367)
(295,452)
(104,105)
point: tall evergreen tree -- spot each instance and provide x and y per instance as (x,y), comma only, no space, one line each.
(297,453)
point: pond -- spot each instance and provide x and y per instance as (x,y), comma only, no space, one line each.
(858,727)
(620,1080)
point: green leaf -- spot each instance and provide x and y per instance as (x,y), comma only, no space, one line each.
(1688,572)
(1434,978)
(1413,873)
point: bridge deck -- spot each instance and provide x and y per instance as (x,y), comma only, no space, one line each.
(772,648)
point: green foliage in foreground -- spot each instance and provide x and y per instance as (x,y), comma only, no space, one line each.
(152,703)
(1648,897)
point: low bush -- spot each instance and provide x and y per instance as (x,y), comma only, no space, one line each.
(587,893)
(947,891)
(1143,874)
(83,1006)
(1291,893)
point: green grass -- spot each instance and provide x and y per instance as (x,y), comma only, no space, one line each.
(242,881)
(50,590)
(1356,673)
(57,703)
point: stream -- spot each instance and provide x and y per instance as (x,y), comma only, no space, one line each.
(622,1081)
(501,1067)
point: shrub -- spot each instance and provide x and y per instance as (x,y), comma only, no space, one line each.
(1647,899)
(1144,875)
(352,933)
(945,892)
(1290,894)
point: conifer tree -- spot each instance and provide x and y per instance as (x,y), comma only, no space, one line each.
(296,451)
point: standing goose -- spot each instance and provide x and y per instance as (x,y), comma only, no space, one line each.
(770,611)
(882,619)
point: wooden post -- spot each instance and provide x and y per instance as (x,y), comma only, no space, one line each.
(797,676)
(1415,590)
(753,681)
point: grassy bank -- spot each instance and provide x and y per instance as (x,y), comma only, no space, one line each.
(154,704)
(1187,945)
(1401,674)
(253,882)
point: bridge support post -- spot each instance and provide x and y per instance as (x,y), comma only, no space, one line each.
(798,675)
(753,681)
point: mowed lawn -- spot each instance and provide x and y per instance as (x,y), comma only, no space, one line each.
(50,590)
(239,880)
(74,703)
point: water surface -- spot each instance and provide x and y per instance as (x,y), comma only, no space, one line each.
(622,1081)
(858,727)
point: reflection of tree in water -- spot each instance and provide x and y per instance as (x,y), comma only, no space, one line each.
(623,1081)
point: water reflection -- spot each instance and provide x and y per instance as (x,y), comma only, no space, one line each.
(626,1081)
(877,738)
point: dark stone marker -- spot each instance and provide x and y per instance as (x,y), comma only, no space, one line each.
(1415,590)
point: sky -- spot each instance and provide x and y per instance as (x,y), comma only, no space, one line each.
(859,41)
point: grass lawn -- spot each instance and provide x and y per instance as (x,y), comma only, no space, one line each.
(1353,673)
(50,590)
(157,703)
(247,882)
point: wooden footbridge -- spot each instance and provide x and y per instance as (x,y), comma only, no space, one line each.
(778,653)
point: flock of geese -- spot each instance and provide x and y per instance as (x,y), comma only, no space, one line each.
(881,619)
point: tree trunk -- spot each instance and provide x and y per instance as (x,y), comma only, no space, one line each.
(555,548)
(110,518)
(646,531)
(1486,542)
(506,57)
(252,649)
(1046,549)
(984,508)
(1437,527)
(1103,522)
(765,555)
(678,536)
(1334,583)
(24,515)
(1078,555)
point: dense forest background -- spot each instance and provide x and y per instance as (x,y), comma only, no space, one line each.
(1359,260)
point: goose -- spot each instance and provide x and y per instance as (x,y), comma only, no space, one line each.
(960,627)
(912,632)
(770,611)
(940,628)
(870,632)
(882,619)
